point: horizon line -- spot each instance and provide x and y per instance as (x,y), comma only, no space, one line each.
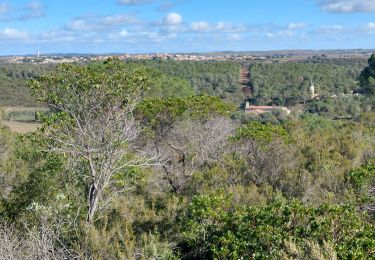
(190,52)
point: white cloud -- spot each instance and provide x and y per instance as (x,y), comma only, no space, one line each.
(32,10)
(279,31)
(134,2)
(156,37)
(172,19)
(78,25)
(124,33)
(54,36)
(220,27)
(348,6)
(229,27)
(280,34)
(295,26)
(335,27)
(120,35)
(4,8)
(200,26)
(13,34)
(119,19)
(168,5)
(234,37)
(370,26)
(329,29)
(94,22)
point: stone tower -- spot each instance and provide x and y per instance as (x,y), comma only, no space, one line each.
(312,90)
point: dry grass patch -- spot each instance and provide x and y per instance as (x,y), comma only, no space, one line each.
(20,127)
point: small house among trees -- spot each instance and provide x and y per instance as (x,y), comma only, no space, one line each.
(264,109)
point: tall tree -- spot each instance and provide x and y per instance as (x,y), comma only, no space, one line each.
(92,123)
(367,77)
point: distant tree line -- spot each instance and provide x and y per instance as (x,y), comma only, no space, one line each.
(215,78)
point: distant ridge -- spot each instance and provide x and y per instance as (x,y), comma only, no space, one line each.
(215,53)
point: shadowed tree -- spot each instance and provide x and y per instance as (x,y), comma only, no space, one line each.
(367,77)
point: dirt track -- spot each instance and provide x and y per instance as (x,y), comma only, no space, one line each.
(244,76)
(245,81)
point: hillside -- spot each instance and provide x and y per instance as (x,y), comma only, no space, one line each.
(116,170)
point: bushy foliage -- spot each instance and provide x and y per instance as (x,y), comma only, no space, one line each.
(166,111)
(213,229)
(262,133)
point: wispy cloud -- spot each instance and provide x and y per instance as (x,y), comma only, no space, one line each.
(369,28)
(289,30)
(31,10)
(4,8)
(201,26)
(168,5)
(348,6)
(329,29)
(134,2)
(280,34)
(34,10)
(219,27)
(99,22)
(13,34)
(293,26)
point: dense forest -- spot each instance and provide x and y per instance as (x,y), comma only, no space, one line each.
(151,160)
(13,78)
(288,83)
(335,81)
(170,78)
(214,78)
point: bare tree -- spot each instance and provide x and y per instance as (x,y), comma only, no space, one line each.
(191,145)
(40,243)
(93,122)
(10,244)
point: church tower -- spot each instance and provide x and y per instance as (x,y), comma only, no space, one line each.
(312,90)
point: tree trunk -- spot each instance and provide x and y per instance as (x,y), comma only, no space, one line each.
(93,200)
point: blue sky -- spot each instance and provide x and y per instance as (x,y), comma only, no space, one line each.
(143,26)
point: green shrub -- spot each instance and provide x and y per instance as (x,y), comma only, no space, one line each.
(212,229)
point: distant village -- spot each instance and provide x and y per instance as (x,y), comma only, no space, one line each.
(40,59)
(292,55)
